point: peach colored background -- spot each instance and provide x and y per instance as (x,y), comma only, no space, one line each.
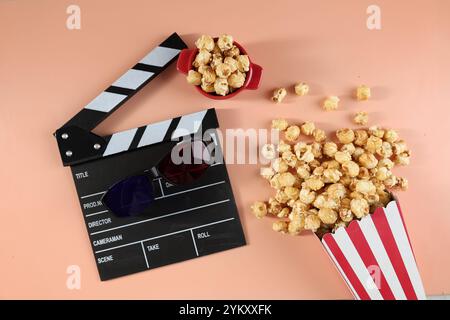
(47,73)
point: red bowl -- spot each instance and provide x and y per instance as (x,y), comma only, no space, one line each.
(252,80)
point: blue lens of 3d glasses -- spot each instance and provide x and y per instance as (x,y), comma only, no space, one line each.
(129,197)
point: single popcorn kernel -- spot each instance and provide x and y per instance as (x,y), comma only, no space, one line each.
(332,175)
(286,179)
(345,135)
(206,86)
(194,78)
(284,213)
(373,144)
(301,89)
(280,226)
(312,222)
(402,159)
(327,216)
(225,42)
(308,128)
(390,136)
(243,63)
(259,209)
(363,93)
(292,193)
(359,207)
(365,187)
(283,147)
(205,42)
(376,131)
(236,79)
(399,147)
(215,60)
(221,86)
(268,151)
(368,160)
(280,124)
(307,196)
(280,166)
(314,183)
(292,133)
(232,63)
(331,103)
(233,52)
(266,172)
(361,118)
(342,156)
(319,135)
(350,168)
(223,70)
(279,94)
(361,137)
(202,57)
(209,76)
(330,149)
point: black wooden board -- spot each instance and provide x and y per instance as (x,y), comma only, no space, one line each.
(185,222)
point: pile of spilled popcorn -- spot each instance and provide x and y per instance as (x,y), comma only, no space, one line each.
(322,185)
(219,67)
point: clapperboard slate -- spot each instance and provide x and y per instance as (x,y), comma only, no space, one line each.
(184,222)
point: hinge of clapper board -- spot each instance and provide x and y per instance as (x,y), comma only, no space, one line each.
(78,144)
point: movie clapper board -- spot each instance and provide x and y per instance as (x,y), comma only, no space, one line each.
(184,222)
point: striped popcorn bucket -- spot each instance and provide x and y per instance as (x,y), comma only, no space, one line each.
(375,258)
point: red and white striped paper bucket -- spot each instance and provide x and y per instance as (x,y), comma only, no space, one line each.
(375,258)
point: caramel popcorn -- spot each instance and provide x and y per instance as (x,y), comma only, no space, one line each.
(243,63)
(221,86)
(236,80)
(218,66)
(268,151)
(308,128)
(301,89)
(292,133)
(279,94)
(280,124)
(225,42)
(259,209)
(194,77)
(331,103)
(233,52)
(319,135)
(361,118)
(363,93)
(345,135)
(322,185)
(205,42)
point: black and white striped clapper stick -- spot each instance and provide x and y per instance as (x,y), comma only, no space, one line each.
(128,84)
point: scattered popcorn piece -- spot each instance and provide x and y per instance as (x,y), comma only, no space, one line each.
(331,103)
(232,63)
(308,128)
(208,75)
(292,133)
(363,93)
(259,209)
(206,86)
(279,94)
(280,124)
(267,172)
(194,78)
(350,168)
(345,135)
(390,136)
(342,157)
(280,226)
(301,89)
(361,118)
(269,151)
(319,135)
